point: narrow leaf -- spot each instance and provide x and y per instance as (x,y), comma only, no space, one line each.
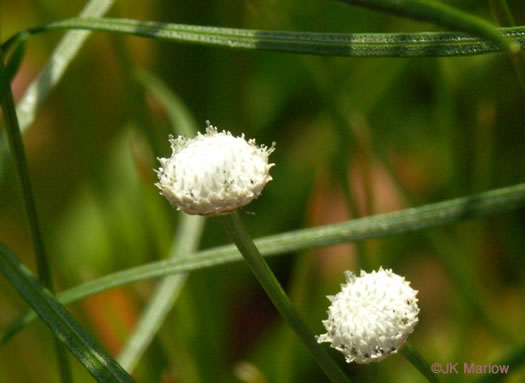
(57,64)
(11,68)
(16,145)
(189,230)
(441,14)
(427,216)
(503,16)
(181,119)
(427,44)
(99,364)
(52,73)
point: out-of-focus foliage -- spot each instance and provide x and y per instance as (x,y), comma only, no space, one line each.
(355,137)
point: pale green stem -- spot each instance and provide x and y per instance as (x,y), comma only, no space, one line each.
(275,292)
(503,16)
(299,291)
(416,359)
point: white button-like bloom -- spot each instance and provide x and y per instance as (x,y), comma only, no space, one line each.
(213,173)
(371,317)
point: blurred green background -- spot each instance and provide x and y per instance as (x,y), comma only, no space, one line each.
(355,137)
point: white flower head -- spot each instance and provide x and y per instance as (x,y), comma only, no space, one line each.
(213,173)
(371,317)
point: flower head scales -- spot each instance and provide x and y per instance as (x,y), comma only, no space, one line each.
(213,173)
(371,317)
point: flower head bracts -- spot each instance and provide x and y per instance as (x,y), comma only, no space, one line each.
(371,317)
(213,173)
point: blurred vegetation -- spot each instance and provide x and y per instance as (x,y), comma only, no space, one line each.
(355,137)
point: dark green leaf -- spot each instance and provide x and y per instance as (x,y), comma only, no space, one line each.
(440,14)
(433,215)
(12,66)
(97,361)
(322,44)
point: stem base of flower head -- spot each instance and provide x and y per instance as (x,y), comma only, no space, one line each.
(275,292)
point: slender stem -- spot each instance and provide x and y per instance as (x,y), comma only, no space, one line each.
(44,271)
(501,12)
(16,145)
(409,220)
(275,292)
(416,359)
(299,292)
(341,169)
(503,16)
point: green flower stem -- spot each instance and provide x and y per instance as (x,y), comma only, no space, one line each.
(341,169)
(441,14)
(503,16)
(341,165)
(501,12)
(16,145)
(269,282)
(299,292)
(416,359)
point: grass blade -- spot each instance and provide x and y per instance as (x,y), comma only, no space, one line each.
(427,44)
(52,73)
(189,231)
(164,295)
(64,326)
(16,144)
(12,66)
(433,215)
(441,14)
(55,68)
(503,16)
(179,115)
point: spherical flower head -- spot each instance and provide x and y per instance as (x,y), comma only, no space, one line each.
(213,173)
(371,317)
